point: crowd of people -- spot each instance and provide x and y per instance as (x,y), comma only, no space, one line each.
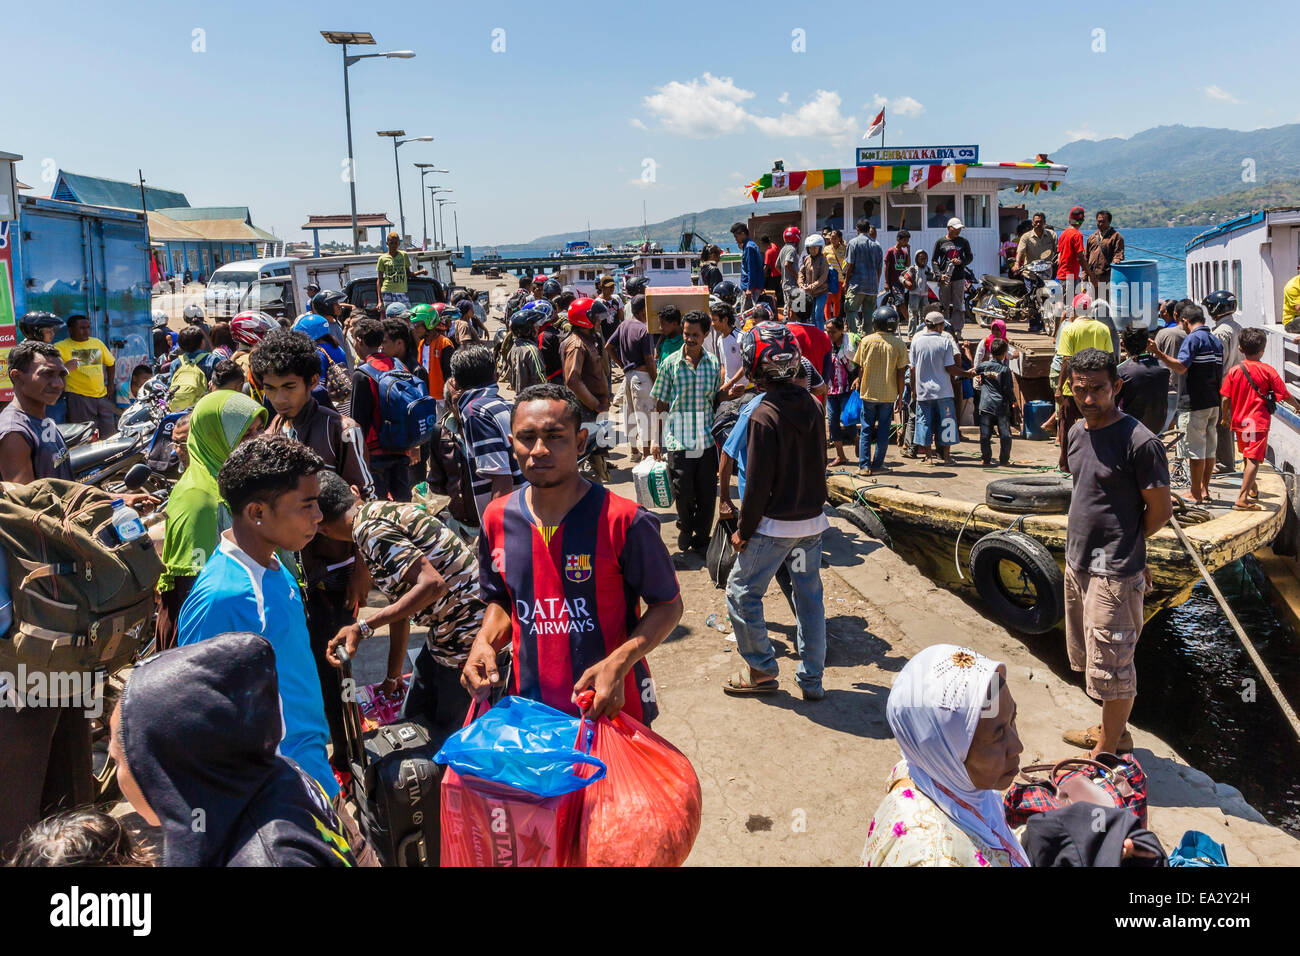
(311,449)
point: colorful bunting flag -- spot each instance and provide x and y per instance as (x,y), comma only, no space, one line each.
(898,175)
(934,176)
(916,177)
(865,174)
(830,177)
(882,175)
(848,177)
(796,180)
(813,179)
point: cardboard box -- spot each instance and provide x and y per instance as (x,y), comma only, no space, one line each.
(685,297)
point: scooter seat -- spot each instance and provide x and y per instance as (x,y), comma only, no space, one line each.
(75,433)
(1004,283)
(85,457)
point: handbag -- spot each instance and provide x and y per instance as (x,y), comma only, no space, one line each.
(852,413)
(1270,400)
(1110,779)
(721,556)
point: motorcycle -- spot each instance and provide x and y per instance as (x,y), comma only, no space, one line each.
(144,436)
(1018,300)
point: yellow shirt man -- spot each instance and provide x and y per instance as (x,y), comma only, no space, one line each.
(880,355)
(92,356)
(1291,302)
(1079,335)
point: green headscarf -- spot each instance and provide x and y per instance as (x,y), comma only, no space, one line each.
(196,515)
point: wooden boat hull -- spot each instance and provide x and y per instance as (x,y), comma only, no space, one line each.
(925,528)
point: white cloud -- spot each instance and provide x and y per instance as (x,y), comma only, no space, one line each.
(714,106)
(709,106)
(784,98)
(1220,95)
(906,106)
(636,123)
(1083,132)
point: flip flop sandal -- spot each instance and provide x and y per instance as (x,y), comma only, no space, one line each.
(1248,507)
(741,684)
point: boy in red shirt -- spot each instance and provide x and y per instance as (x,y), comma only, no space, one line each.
(1069,255)
(1245,390)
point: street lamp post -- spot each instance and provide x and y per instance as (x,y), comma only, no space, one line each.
(394,134)
(425,169)
(433,191)
(441,228)
(343,38)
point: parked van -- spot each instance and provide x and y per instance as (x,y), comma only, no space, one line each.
(226,286)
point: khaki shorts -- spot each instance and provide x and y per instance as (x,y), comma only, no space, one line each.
(1103,618)
(1202,432)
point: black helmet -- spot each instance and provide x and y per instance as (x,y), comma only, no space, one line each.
(521,320)
(727,291)
(885,319)
(1220,303)
(550,289)
(32,323)
(636,285)
(322,303)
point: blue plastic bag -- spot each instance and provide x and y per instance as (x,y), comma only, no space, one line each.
(1198,849)
(521,743)
(852,414)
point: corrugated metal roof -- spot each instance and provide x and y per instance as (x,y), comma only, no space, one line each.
(204,230)
(367,219)
(96,191)
(187,213)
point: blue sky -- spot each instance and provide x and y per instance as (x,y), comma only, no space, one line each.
(591,109)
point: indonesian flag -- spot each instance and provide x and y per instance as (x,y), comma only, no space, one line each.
(877,125)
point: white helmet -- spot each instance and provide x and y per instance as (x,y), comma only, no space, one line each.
(159,319)
(193,313)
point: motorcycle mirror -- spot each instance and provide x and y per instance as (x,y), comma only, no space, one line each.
(136,477)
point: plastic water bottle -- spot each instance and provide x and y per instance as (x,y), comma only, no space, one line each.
(126,522)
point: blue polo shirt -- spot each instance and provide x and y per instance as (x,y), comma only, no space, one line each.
(737,446)
(234,593)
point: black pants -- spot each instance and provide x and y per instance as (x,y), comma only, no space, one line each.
(436,698)
(44,766)
(1002,425)
(326,615)
(392,478)
(695,487)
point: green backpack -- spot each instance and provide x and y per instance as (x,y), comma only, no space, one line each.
(80,606)
(190,382)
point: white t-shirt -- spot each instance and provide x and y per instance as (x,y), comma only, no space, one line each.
(931,354)
(727,351)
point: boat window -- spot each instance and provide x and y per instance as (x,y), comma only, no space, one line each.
(1215,284)
(939,209)
(1236,277)
(868,206)
(830,214)
(681,263)
(904,211)
(975,210)
(656,263)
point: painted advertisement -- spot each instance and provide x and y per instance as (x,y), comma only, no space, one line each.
(8,330)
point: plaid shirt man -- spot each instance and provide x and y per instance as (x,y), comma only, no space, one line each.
(688,391)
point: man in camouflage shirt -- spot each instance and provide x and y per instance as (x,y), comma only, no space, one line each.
(430,576)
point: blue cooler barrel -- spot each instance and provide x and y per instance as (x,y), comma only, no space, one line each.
(1134,292)
(1035,414)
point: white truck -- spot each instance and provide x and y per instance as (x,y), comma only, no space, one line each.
(353,275)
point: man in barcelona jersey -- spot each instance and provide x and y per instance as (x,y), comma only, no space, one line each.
(565,566)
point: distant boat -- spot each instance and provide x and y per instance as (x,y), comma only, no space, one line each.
(577,247)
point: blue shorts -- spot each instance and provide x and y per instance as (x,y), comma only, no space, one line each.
(936,419)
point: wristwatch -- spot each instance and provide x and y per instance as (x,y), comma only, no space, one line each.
(366,630)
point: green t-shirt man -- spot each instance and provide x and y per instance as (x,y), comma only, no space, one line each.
(393,269)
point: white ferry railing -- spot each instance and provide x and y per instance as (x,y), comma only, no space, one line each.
(1289,363)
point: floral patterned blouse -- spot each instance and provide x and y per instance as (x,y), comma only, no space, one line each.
(909,829)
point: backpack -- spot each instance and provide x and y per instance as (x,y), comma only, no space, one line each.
(190,383)
(449,475)
(80,605)
(407,412)
(337,381)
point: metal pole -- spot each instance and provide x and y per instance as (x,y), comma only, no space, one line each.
(401,213)
(441,228)
(455,221)
(435,221)
(352,169)
(424,245)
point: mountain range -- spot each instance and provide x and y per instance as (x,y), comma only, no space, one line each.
(1168,175)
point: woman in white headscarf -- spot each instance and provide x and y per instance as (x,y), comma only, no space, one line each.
(955,722)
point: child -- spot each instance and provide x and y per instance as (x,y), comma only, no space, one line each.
(86,837)
(916,279)
(139,375)
(226,374)
(1245,408)
(996,403)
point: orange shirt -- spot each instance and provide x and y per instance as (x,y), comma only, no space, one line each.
(433,350)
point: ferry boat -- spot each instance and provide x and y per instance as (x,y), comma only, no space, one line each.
(659,269)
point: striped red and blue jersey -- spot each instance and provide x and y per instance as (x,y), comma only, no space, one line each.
(573,599)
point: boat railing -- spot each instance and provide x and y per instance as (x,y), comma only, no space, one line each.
(1289,365)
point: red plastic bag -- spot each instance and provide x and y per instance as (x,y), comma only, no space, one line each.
(646,812)
(491,824)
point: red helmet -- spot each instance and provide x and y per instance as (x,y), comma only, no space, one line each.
(539,279)
(578,314)
(247,328)
(791,234)
(769,352)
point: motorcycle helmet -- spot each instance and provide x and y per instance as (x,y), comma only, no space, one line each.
(315,326)
(33,324)
(160,319)
(792,234)
(522,320)
(193,314)
(423,314)
(396,310)
(1220,303)
(727,291)
(599,311)
(442,314)
(312,289)
(769,352)
(543,312)
(885,319)
(247,328)
(550,289)
(579,317)
(322,303)
(636,285)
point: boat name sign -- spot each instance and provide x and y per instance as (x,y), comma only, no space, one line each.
(907,155)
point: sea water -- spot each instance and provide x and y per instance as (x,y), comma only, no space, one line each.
(1167,248)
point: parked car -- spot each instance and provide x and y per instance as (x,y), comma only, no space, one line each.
(420,289)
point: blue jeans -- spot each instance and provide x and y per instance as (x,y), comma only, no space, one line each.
(749,580)
(936,419)
(876,419)
(819,312)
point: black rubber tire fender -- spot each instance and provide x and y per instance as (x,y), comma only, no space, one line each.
(1036,563)
(1032,494)
(865,520)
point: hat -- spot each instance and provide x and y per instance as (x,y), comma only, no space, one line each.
(1082,302)
(954,223)
(814,240)
(934,318)
(604,281)
(1076,212)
